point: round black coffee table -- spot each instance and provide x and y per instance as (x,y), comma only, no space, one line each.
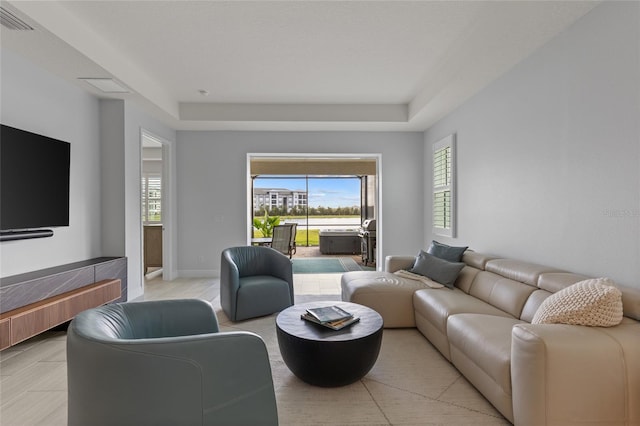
(324,357)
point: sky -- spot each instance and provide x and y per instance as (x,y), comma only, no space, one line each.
(326,192)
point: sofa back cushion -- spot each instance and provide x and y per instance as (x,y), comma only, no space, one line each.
(630,302)
(475,259)
(517,270)
(532,304)
(483,274)
(505,294)
(556,281)
(466,277)
(475,263)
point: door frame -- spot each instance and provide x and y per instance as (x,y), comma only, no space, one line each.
(168,267)
(378,191)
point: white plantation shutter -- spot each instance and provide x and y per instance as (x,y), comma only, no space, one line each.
(443,188)
(151,198)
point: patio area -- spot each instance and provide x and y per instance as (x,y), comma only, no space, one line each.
(314,251)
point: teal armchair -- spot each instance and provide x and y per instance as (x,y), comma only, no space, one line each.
(165,363)
(254,281)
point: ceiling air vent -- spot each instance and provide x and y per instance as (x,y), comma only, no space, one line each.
(11,21)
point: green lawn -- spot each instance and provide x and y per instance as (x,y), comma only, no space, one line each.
(301,237)
(314,237)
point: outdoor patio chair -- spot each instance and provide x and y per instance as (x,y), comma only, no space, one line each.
(282,239)
(292,244)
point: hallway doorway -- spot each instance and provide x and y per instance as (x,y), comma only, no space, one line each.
(155,200)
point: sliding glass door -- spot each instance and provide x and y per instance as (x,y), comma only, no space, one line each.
(313,202)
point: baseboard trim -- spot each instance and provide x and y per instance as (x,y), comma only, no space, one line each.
(198,273)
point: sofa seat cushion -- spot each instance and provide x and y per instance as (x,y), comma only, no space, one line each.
(387,293)
(486,341)
(480,348)
(436,306)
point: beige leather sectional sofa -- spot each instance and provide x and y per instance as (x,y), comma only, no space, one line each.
(534,374)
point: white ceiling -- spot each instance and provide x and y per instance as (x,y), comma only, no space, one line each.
(289,65)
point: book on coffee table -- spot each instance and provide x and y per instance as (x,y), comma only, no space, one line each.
(334,325)
(329,314)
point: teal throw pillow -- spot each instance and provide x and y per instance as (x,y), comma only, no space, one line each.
(443,251)
(439,270)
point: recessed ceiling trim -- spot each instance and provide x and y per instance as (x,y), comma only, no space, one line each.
(106,85)
(12,22)
(316,67)
(197,111)
(58,19)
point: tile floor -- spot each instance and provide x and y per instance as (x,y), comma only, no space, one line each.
(411,384)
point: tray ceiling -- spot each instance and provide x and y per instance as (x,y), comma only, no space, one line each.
(301,65)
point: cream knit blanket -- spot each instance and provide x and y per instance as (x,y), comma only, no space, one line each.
(417,277)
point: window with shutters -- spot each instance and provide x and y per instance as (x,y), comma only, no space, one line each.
(443,187)
(151,198)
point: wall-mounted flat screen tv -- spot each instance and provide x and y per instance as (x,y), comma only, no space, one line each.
(34,181)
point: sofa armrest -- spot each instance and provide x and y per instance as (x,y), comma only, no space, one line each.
(395,263)
(570,375)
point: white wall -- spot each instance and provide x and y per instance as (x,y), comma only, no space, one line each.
(135,121)
(548,155)
(105,218)
(112,176)
(122,124)
(37,101)
(212,187)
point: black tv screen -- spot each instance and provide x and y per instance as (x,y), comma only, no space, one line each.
(34,180)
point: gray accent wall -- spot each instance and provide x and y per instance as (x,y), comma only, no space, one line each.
(212,187)
(549,154)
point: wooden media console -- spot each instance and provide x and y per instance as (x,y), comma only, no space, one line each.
(37,301)
(28,321)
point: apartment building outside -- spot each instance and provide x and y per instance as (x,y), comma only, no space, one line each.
(281,198)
